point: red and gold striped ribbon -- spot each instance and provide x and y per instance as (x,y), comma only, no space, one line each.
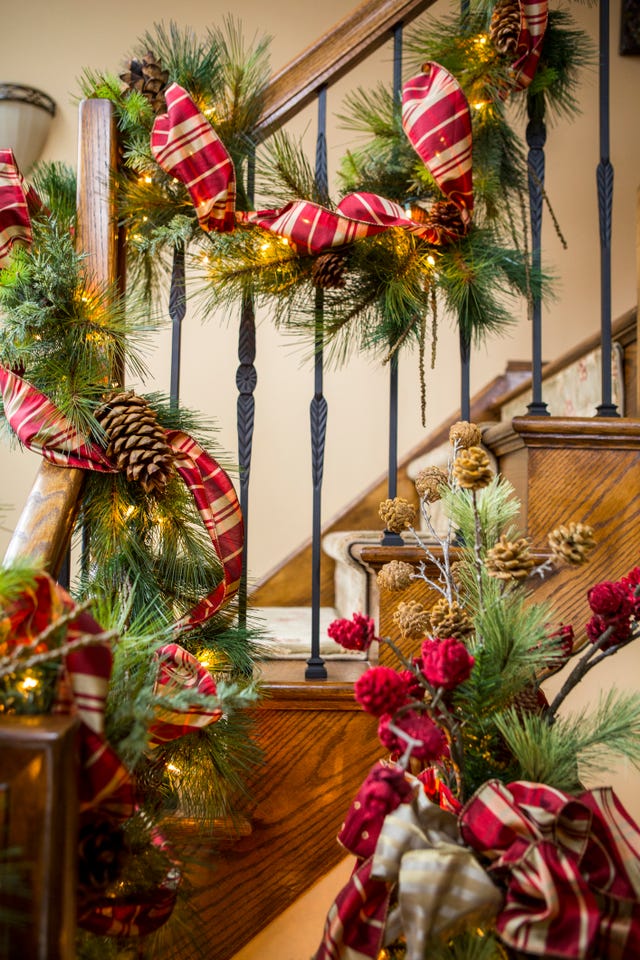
(534,19)
(437,121)
(15,196)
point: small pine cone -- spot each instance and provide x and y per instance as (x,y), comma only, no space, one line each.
(395,575)
(329,269)
(148,77)
(446,220)
(135,440)
(449,620)
(572,542)
(510,560)
(471,469)
(530,700)
(397,514)
(464,435)
(428,483)
(102,850)
(412,619)
(506,22)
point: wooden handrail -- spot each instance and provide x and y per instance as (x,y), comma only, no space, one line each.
(343,47)
(44,528)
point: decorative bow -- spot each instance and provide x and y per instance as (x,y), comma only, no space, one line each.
(412,845)
(186,146)
(42,427)
(571,866)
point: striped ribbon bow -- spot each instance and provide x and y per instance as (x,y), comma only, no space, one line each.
(411,845)
(42,427)
(186,146)
(571,866)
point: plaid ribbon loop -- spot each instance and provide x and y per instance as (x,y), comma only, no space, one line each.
(534,19)
(15,199)
(571,866)
(178,670)
(437,120)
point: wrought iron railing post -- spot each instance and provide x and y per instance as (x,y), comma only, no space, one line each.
(316,669)
(177,311)
(536,138)
(465,344)
(246,381)
(389,538)
(604,179)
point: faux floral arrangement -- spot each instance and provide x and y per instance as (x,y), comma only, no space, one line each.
(476,838)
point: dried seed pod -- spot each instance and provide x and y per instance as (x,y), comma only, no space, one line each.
(395,575)
(428,483)
(471,469)
(572,543)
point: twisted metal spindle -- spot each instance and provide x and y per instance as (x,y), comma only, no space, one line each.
(246,381)
(316,669)
(604,179)
(177,311)
(536,138)
(389,538)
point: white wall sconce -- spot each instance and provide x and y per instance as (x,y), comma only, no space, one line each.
(25,118)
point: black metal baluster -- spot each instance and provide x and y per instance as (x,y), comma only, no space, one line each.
(246,381)
(389,538)
(316,669)
(464,342)
(604,179)
(536,138)
(177,311)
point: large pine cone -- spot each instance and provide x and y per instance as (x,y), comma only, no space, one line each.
(136,442)
(102,850)
(328,270)
(572,542)
(471,469)
(506,23)
(510,560)
(148,77)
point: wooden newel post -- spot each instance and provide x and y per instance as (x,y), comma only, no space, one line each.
(43,531)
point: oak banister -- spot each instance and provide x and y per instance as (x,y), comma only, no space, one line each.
(340,49)
(43,531)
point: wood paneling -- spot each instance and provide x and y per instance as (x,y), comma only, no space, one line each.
(319,745)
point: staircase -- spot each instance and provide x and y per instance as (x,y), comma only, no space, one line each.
(318,744)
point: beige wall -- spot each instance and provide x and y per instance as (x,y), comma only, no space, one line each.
(47,44)
(66,36)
